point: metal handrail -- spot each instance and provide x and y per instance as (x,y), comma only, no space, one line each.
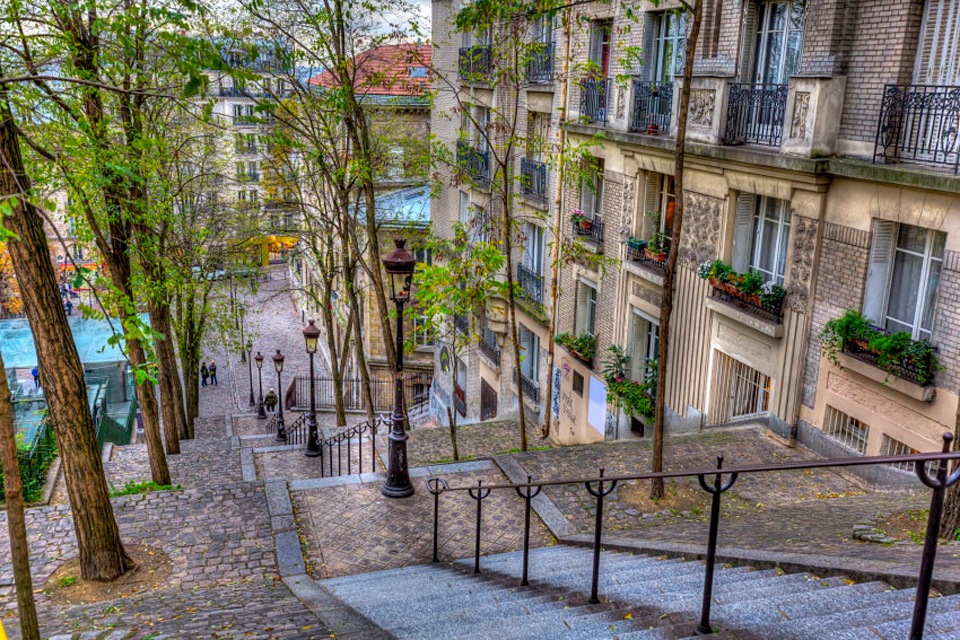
(601,485)
(347,436)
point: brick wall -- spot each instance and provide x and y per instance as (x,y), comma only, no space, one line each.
(841,277)
(946,324)
(827,35)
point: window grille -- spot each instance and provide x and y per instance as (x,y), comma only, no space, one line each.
(850,432)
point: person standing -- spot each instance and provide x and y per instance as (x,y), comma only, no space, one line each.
(69,306)
(204,374)
(36,377)
(270,400)
(213,373)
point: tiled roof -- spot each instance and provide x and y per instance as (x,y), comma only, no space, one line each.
(387,70)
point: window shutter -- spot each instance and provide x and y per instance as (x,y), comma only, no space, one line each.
(878,273)
(743,231)
(651,201)
(587,197)
(596,43)
(938,53)
(638,351)
(649,52)
(583,308)
(748,40)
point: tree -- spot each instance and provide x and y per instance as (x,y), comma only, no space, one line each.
(10,300)
(101,552)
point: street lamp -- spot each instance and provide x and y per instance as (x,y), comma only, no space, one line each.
(311,335)
(243,358)
(260,412)
(399,265)
(243,354)
(281,429)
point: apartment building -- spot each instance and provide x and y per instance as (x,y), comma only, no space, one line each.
(822,155)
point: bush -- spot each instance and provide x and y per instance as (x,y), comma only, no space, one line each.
(631,396)
(33,469)
(585,344)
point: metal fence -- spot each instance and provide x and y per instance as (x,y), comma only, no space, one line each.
(755,114)
(476,62)
(919,123)
(473,162)
(531,283)
(533,178)
(416,389)
(652,105)
(540,64)
(593,100)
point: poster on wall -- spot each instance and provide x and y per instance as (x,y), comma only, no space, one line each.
(597,410)
(555,400)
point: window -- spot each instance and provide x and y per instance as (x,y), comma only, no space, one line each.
(903,278)
(938,56)
(578,383)
(586,308)
(600,46)
(591,193)
(418,72)
(668,44)
(778,40)
(422,336)
(543,29)
(423,255)
(533,248)
(538,133)
(482,117)
(891,447)
(465,208)
(659,199)
(529,354)
(849,432)
(760,236)
(644,343)
(242,195)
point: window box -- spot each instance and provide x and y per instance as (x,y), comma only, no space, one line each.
(745,291)
(582,347)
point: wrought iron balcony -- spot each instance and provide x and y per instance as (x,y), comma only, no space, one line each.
(652,104)
(461,324)
(531,283)
(474,162)
(533,179)
(250,176)
(530,388)
(919,123)
(749,304)
(755,114)
(490,349)
(460,399)
(476,62)
(593,100)
(648,260)
(246,149)
(593,233)
(540,64)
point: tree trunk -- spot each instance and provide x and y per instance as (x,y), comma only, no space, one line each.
(101,552)
(16,521)
(669,274)
(950,524)
(171,402)
(159,471)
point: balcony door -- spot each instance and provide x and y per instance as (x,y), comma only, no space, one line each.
(669,44)
(533,248)
(600,46)
(778,40)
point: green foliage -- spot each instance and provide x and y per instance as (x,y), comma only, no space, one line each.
(584,345)
(748,284)
(894,351)
(751,282)
(34,460)
(131,488)
(633,397)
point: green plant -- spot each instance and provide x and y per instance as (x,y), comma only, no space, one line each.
(656,244)
(717,269)
(629,395)
(578,217)
(68,581)
(585,344)
(131,488)
(751,283)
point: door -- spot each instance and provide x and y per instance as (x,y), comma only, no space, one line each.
(488,401)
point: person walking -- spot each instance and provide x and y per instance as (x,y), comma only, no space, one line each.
(204,373)
(69,306)
(213,373)
(270,400)
(36,377)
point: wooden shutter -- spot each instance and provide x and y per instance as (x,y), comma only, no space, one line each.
(588,197)
(583,306)
(743,232)
(638,340)
(651,22)
(938,53)
(878,273)
(748,40)
(651,201)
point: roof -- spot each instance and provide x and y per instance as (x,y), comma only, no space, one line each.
(90,336)
(400,70)
(407,207)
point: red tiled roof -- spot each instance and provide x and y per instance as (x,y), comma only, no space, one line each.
(387,70)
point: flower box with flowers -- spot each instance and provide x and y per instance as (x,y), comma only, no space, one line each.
(747,291)
(581,220)
(583,347)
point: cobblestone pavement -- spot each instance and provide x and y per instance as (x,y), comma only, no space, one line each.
(431,445)
(354,529)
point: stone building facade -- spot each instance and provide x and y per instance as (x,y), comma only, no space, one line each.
(822,153)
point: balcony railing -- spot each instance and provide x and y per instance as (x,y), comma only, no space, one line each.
(474,162)
(749,304)
(253,176)
(593,234)
(540,64)
(640,256)
(652,103)
(461,324)
(476,62)
(533,179)
(593,100)
(246,149)
(531,283)
(755,114)
(919,123)
(530,388)
(460,399)
(490,349)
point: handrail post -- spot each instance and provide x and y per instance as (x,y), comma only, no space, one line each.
(599,493)
(527,494)
(480,494)
(436,486)
(718,488)
(939,485)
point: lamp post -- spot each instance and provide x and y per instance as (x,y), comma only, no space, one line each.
(260,412)
(243,354)
(399,265)
(311,335)
(249,369)
(281,429)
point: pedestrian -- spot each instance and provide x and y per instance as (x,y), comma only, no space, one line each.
(36,377)
(270,401)
(213,373)
(204,373)
(69,306)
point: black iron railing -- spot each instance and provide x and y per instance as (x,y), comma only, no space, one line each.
(474,162)
(593,100)
(339,446)
(461,324)
(530,388)
(750,304)
(476,62)
(490,349)
(533,179)
(715,482)
(460,399)
(246,149)
(919,123)
(531,283)
(639,256)
(416,387)
(540,63)
(755,114)
(652,104)
(593,232)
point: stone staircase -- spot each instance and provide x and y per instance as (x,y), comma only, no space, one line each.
(642,597)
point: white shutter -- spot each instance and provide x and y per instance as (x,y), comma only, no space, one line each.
(748,40)
(638,351)
(878,273)
(596,43)
(651,201)
(743,231)
(582,308)
(651,22)
(938,53)
(588,198)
